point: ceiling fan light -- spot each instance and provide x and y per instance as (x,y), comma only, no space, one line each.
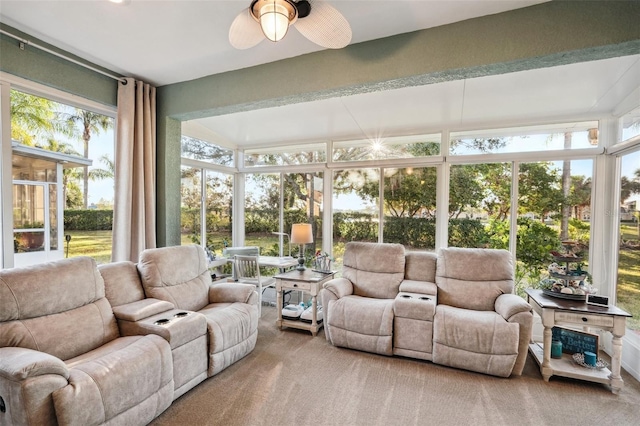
(274,16)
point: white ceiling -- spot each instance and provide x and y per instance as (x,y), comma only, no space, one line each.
(164,42)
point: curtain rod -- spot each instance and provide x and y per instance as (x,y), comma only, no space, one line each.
(60,55)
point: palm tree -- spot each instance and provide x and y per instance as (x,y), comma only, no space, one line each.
(90,123)
(32,117)
(107,173)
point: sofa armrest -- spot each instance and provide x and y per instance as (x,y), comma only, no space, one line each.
(508,305)
(17,364)
(340,287)
(232,292)
(135,311)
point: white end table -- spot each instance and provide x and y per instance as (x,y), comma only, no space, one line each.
(308,281)
(555,311)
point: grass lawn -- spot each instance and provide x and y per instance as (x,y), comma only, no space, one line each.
(96,244)
(628,293)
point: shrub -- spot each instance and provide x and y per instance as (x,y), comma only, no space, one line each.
(88,220)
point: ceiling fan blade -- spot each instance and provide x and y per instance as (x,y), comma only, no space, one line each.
(325,26)
(245,32)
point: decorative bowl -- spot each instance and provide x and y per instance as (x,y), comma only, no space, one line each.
(579,359)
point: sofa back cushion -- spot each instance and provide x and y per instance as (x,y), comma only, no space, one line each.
(121,282)
(375,270)
(473,278)
(420,266)
(57,307)
(178,274)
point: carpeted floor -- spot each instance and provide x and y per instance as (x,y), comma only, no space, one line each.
(292,378)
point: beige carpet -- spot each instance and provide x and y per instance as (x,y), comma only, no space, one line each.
(292,378)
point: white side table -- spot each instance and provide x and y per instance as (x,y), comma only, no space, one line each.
(308,281)
(554,311)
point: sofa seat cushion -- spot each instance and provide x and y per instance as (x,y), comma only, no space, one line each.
(233,330)
(129,376)
(362,323)
(474,340)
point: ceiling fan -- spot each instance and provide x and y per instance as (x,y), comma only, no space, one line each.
(317,20)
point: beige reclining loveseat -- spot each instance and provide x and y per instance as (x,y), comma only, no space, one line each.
(63,359)
(85,345)
(169,292)
(455,308)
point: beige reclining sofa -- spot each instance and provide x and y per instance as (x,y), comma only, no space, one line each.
(85,345)
(63,359)
(455,308)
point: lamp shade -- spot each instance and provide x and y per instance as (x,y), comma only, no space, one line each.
(301,233)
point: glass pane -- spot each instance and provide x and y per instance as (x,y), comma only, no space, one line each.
(631,124)
(286,155)
(355,208)
(410,207)
(33,169)
(480,205)
(87,193)
(387,148)
(303,198)
(28,218)
(628,286)
(262,212)
(553,221)
(524,139)
(190,205)
(219,210)
(53,217)
(197,149)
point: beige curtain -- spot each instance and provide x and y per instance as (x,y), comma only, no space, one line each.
(134,215)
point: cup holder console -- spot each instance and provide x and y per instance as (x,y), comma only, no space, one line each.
(166,321)
(408,296)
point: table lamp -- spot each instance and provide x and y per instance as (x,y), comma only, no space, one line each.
(301,233)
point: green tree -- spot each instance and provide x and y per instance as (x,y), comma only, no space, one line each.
(89,123)
(539,189)
(32,118)
(629,186)
(579,195)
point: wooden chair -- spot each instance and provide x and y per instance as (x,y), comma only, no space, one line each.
(247,270)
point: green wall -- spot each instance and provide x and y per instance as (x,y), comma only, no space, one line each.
(36,65)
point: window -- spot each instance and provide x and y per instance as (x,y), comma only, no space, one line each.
(355,208)
(480,205)
(191,205)
(303,203)
(197,149)
(526,139)
(218,210)
(631,124)
(554,214)
(387,148)
(628,284)
(286,155)
(410,207)
(45,134)
(262,212)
